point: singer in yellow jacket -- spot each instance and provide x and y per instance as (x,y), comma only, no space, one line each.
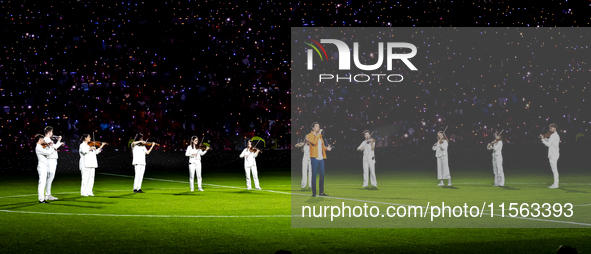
(317,156)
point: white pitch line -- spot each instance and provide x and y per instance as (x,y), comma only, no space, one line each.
(280,192)
(25,195)
(506,183)
(151,215)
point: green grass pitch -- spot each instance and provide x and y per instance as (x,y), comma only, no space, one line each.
(226,218)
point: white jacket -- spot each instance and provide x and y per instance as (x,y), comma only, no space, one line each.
(368,150)
(440,149)
(54,147)
(194,154)
(88,157)
(42,154)
(497,147)
(249,156)
(552,144)
(139,155)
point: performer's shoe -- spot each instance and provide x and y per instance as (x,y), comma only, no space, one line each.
(364,186)
(248,189)
(44,202)
(92,195)
(50,197)
(449,183)
(85,195)
(313,195)
(259,188)
(140,191)
(200,189)
(322,194)
(553,186)
(441,184)
(192,189)
(134,191)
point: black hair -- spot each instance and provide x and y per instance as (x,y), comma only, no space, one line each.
(554,125)
(138,137)
(314,123)
(83,137)
(37,137)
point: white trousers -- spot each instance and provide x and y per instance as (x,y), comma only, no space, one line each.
(42,170)
(50,175)
(442,168)
(139,176)
(255,176)
(554,166)
(87,181)
(497,162)
(306,173)
(369,171)
(194,168)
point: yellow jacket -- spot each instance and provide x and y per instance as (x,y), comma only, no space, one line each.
(314,145)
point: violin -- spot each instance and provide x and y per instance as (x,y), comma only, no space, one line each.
(45,145)
(547,135)
(370,140)
(149,144)
(96,143)
(203,147)
(254,150)
(494,142)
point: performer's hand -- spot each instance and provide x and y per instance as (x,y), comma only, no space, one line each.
(329,148)
(59,139)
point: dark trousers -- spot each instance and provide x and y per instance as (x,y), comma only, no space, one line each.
(317,168)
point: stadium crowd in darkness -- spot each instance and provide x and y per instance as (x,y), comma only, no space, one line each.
(474,88)
(183,68)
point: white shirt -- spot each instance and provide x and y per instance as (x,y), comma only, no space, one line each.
(368,153)
(497,147)
(194,154)
(55,146)
(552,144)
(248,158)
(42,154)
(139,155)
(320,156)
(440,149)
(87,156)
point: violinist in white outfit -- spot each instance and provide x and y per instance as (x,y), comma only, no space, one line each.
(139,151)
(552,140)
(88,164)
(440,149)
(369,162)
(497,160)
(194,153)
(42,154)
(306,164)
(250,165)
(52,161)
